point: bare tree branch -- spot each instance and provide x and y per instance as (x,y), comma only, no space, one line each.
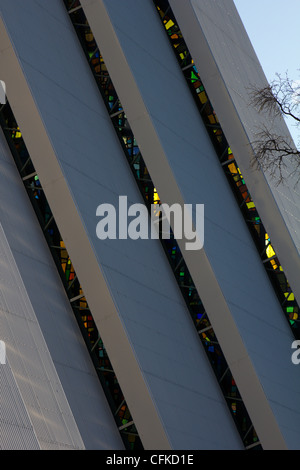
(280,98)
(271,153)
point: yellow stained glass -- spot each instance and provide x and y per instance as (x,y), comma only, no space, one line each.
(17,134)
(289,296)
(156,199)
(270,252)
(169,24)
(202,97)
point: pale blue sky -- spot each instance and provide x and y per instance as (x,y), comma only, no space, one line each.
(273,28)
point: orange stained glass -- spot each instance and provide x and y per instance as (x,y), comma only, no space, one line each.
(232,168)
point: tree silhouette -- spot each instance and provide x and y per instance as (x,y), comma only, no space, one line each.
(279,98)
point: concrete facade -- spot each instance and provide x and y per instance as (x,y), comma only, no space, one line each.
(166,378)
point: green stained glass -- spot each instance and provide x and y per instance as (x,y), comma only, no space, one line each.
(194,77)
